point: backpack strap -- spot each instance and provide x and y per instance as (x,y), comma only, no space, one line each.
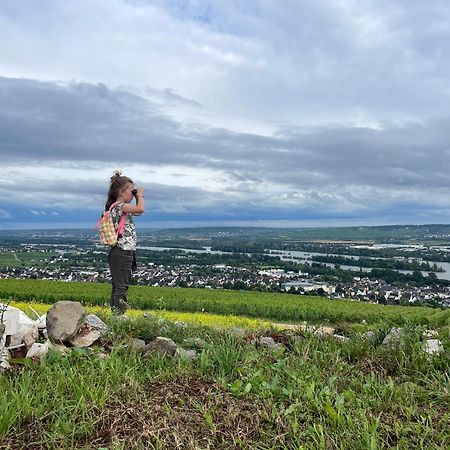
(122,221)
(99,222)
(121,224)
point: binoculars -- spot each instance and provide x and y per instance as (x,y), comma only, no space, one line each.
(134,192)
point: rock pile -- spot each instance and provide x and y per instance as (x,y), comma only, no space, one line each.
(395,339)
(162,346)
(65,326)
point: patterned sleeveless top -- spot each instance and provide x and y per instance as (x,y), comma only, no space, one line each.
(128,239)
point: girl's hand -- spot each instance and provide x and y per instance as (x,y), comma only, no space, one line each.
(139,207)
(139,192)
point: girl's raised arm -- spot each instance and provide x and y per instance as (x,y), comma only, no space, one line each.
(139,207)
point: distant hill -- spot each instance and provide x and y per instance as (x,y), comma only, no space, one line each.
(438,233)
(386,233)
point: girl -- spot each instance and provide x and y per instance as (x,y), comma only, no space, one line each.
(122,257)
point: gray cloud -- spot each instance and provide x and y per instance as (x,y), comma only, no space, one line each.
(82,122)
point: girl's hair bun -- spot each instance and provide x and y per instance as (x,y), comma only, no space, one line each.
(116,174)
(118,182)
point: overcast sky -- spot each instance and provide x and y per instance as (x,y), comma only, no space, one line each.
(228,112)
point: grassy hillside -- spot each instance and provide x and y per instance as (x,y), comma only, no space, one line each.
(316,394)
(276,307)
(313,393)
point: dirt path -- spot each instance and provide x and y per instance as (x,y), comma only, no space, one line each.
(293,326)
(15,256)
(319,329)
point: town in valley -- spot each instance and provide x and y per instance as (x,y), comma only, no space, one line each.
(408,265)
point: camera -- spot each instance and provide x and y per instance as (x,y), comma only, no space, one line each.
(134,192)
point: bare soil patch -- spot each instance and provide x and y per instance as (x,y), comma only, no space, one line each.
(190,413)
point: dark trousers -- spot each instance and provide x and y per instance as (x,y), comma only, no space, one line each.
(121,264)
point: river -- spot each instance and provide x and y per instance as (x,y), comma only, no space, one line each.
(298,256)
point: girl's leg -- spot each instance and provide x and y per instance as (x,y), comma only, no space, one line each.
(120,263)
(111,300)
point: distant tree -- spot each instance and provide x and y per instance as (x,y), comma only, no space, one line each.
(321,292)
(417,275)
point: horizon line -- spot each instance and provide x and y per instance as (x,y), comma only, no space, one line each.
(71,226)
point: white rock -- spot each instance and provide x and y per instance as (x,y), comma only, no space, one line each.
(19,328)
(96,323)
(433,346)
(341,338)
(4,360)
(324,331)
(394,338)
(91,330)
(189,355)
(267,341)
(37,350)
(160,346)
(85,337)
(370,336)
(4,354)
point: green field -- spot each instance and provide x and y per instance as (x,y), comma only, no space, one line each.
(24,259)
(276,307)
